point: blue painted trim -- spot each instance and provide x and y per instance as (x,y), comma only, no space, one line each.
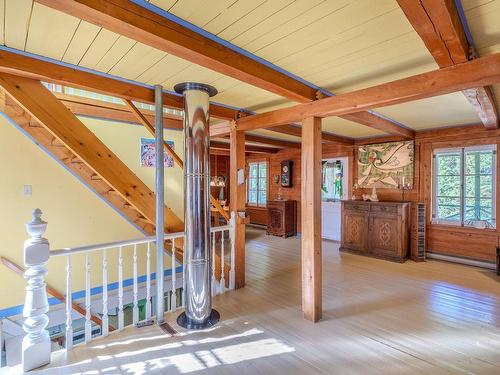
(465,25)
(17,310)
(70,171)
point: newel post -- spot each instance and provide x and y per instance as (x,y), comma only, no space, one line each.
(36,342)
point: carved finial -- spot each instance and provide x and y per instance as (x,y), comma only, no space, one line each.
(36,227)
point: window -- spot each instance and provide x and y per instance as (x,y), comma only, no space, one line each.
(464,186)
(257,183)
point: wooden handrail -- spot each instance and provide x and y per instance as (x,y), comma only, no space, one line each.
(53,292)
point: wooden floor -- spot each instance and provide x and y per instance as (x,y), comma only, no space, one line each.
(379,318)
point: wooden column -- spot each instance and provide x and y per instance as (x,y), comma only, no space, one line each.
(311,219)
(237,202)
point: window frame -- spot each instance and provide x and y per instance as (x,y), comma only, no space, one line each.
(258,162)
(462,222)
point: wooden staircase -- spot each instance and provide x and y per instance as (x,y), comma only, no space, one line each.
(27,102)
(121,202)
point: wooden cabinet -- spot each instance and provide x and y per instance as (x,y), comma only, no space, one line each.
(282,218)
(378,229)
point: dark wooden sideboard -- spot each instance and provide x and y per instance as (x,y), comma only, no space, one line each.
(282,218)
(377,229)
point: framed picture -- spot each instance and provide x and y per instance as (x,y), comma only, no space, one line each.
(386,165)
(148,154)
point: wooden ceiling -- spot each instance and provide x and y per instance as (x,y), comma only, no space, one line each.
(339,45)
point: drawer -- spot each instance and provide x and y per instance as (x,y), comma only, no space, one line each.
(356,206)
(384,209)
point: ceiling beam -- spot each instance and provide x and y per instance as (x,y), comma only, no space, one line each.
(143,25)
(271,141)
(248,148)
(30,67)
(438,24)
(475,73)
(111,111)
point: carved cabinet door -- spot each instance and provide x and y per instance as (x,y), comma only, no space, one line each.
(275,220)
(383,235)
(354,230)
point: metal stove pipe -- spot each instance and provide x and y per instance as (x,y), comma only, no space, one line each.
(198,313)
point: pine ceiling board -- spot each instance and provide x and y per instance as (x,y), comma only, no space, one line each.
(136,61)
(202,16)
(374,66)
(192,73)
(17,18)
(368,39)
(311,17)
(167,67)
(183,9)
(81,41)
(104,40)
(256,16)
(164,4)
(243,95)
(50,32)
(346,128)
(115,53)
(406,49)
(231,15)
(483,19)
(2,21)
(446,110)
(271,134)
(340,32)
(267,26)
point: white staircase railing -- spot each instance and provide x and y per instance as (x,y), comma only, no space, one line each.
(36,343)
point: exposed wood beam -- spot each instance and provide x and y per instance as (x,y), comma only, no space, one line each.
(438,24)
(480,72)
(271,141)
(111,111)
(29,67)
(237,203)
(248,148)
(325,136)
(138,23)
(311,219)
(39,102)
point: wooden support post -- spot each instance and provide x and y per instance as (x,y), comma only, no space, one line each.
(237,205)
(311,219)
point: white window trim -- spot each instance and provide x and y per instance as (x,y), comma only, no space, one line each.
(463,150)
(258,162)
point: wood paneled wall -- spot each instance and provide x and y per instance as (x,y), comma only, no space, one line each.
(450,240)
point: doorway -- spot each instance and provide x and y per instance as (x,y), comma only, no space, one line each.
(334,189)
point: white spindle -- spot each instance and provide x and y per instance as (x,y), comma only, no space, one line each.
(231,238)
(135,310)
(36,343)
(174,275)
(88,322)
(105,320)
(222,261)
(148,282)
(213,263)
(69,307)
(120,289)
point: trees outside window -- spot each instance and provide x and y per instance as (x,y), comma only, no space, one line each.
(257,183)
(464,185)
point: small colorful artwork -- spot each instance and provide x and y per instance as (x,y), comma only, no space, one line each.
(386,165)
(148,154)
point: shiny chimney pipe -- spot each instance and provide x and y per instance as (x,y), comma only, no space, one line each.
(198,313)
